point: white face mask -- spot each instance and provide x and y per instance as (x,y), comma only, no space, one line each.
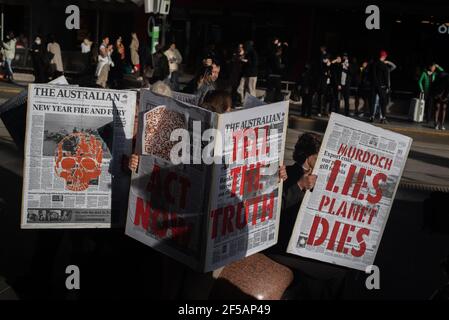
(37,42)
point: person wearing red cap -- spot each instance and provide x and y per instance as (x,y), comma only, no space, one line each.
(381,84)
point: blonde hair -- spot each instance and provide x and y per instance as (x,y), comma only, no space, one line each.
(161,88)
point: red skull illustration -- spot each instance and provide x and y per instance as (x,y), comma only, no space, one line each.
(78,160)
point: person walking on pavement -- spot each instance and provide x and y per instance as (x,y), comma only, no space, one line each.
(174,60)
(56,66)
(381,84)
(41,61)
(134,51)
(9,52)
(250,71)
(104,63)
(425,82)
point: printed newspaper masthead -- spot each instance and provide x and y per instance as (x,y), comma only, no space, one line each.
(75,140)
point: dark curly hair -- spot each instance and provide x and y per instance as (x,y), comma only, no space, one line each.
(218,101)
(308,144)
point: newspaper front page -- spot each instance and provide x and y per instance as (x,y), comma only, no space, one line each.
(168,201)
(75,142)
(246,193)
(359,168)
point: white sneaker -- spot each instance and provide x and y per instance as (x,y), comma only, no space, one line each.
(442,128)
(437,127)
(319,115)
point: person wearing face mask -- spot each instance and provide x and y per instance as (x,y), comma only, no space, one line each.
(9,52)
(40,61)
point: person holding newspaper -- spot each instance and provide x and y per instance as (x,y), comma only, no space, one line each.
(315,280)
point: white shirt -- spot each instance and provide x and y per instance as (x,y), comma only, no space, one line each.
(85,48)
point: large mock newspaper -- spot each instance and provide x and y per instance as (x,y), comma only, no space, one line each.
(74,146)
(246,192)
(207,211)
(168,201)
(359,168)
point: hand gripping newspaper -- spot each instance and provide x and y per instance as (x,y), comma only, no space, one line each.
(75,141)
(359,167)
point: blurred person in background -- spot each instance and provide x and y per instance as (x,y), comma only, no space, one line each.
(174,60)
(56,67)
(9,53)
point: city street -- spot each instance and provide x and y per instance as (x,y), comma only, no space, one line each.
(159,162)
(427,171)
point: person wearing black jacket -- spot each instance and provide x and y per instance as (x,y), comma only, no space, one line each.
(363,89)
(381,84)
(250,71)
(306,91)
(325,93)
(161,69)
(41,61)
(336,76)
(275,70)
(344,80)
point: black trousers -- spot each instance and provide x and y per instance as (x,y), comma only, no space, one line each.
(327,98)
(335,100)
(363,93)
(429,107)
(306,107)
